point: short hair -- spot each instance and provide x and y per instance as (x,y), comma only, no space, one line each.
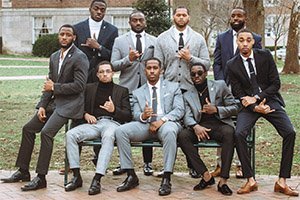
(135,12)
(104,62)
(244,30)
(240,8)
(68,26)
(198,64)
(102,1)
(153,58)
(179,7)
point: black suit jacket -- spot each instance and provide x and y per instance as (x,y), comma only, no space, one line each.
(267,76)
(120,98)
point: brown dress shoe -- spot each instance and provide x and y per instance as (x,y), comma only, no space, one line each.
(217,171)
(247,188)
(285,190)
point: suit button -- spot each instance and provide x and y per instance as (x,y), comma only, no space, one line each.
(179,66)
(178,81)
(138,73)
(179,74)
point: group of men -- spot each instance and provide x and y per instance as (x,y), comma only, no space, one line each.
(163,94)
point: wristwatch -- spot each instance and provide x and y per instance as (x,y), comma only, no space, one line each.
(256,97)
(164,119)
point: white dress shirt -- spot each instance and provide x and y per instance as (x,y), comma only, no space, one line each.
(95,28)
(234,35)
(62,56)
(184,36)
(142,38)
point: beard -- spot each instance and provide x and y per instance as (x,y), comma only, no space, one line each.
(66,46)
(238,26)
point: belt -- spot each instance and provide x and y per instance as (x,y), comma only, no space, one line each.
(105,117)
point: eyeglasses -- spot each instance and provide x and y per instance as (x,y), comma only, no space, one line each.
(106,71)
(200,73)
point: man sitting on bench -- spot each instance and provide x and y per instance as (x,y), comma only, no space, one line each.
(106,107)
(209,107)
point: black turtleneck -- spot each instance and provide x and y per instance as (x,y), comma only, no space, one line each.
(104,90)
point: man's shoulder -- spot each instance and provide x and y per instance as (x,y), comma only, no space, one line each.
(170,84)
(165,34)
(109,26)
(121,88)
(81,23)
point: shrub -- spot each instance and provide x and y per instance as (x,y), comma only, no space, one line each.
(45,45)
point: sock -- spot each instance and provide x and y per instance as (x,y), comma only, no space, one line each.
(98,176)
(130,172)
(76,172)
(167,175)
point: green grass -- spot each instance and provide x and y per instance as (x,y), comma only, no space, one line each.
(23,71)
(23,63)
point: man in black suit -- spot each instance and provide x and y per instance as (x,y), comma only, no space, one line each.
(255,81)
(106,107)
(64,88)
(95,37)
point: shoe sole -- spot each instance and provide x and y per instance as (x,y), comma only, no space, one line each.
(72,189)
(133,186)
(31,189)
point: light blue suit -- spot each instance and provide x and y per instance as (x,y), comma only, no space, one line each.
(137,131)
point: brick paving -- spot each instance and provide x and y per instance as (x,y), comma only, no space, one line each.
(182,188)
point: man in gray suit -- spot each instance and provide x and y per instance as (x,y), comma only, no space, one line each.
(129,53)
(179,47)
(106,107)
(64,88)
(157,108)
(209,106)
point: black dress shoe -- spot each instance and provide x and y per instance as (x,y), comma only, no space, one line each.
(148,171)
(224,189)
(165,187)
(129,183)
(76,182)
(16,177)
(193,173)
(118,171)
(95,187)
(203,184)
(35,184)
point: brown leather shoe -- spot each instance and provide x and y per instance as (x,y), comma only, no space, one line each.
(247,188)
(286,190)
(217,171)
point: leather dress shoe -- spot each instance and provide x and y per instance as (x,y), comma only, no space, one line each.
(129,183)
(247,188)
(224,189)
(203,184)
(148,171)
(16,177)
(118,171)
(193,173)
(95,187)
(216,172)
(165,187)
(285,190)
(35,184)
(76,182)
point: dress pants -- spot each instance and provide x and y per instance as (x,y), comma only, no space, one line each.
(246,120)
(138,132)
(48,131)
(220,132)
(104,129)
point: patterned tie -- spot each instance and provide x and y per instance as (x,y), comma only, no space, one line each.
(253,79)
(154,104)
(139,43)
(181,43)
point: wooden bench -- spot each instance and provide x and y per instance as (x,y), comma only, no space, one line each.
(202,144)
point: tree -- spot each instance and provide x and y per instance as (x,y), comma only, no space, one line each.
(291,64)
(156,14)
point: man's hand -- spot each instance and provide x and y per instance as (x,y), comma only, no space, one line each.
(263,108)
(133,54)
(42,114)
(91,43)
(185,54)
(148,112)
(201,132)
(48,85)
(208,108)
(247,101)
(91,119)
(154,126)
(108,105)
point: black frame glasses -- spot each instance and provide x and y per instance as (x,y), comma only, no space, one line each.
(200,73)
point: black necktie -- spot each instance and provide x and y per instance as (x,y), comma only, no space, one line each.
(154,104)
(253,79)
(139,43)
(181,43)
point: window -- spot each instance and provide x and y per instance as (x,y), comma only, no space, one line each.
(41,26)
(122,23)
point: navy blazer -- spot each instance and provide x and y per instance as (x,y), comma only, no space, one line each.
(224,52)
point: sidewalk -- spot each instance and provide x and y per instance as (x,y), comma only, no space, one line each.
(182,188)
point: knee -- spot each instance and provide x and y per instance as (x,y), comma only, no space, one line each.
(119,133)
(183,136)
(108,136)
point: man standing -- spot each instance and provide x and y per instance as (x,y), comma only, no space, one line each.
(106,107)
(128,56)
(179,47)
(64,88)
(95,37)
(157,108)
(255,81)
(209,106)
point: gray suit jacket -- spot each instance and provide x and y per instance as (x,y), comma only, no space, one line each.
(175,69)
(170,97)
(131,73)
(69,84)
(219,95)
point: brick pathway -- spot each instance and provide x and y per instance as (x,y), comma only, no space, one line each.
(182,188)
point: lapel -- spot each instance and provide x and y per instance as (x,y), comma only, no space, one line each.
(55,66)
(196,103)
(257,61)
(114,95)
(102,32)
(228,40)
(163,91)
(86,30)
(189,33)
(94,91)
(211,92)
(172,34)
(129,40)
(67,58)
(147,40)
(146,96)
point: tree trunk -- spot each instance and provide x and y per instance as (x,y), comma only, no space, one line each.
(291,64)
(256,19)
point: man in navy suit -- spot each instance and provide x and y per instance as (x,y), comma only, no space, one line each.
(95,37)
(226,48)
(255,82)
